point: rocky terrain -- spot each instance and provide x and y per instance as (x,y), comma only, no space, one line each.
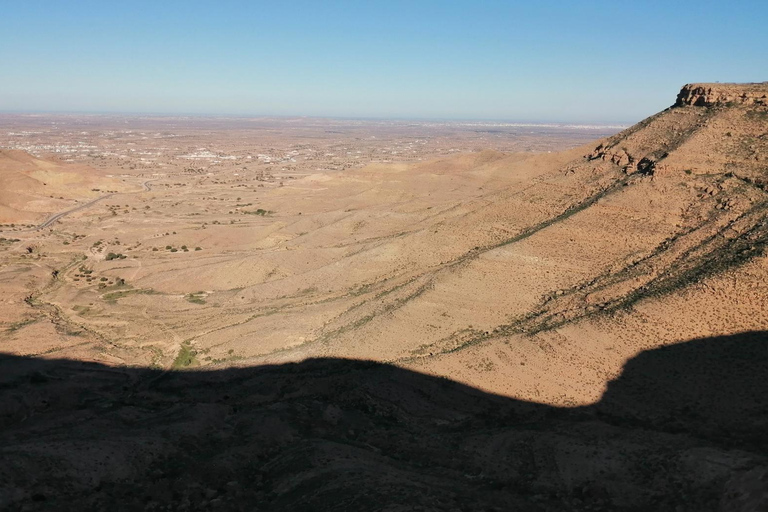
(584,329)
(723,94)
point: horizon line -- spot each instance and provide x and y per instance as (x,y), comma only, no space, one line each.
(506,121)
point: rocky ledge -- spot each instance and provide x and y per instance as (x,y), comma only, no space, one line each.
(722,94)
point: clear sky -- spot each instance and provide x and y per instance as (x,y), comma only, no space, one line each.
(539,60)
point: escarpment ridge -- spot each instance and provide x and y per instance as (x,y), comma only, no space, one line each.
(709,94)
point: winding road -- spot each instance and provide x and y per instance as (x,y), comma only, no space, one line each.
(53,218)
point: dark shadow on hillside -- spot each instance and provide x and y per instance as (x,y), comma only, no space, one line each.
(684,428)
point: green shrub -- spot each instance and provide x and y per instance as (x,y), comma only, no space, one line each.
(196,298)
(185,358)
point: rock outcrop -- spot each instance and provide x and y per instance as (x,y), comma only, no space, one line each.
(723,94)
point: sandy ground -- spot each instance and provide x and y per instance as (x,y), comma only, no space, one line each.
(498,270)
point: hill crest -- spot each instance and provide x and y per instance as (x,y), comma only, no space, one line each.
(711,94)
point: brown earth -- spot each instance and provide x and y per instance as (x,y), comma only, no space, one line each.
(535,277)
(31,188)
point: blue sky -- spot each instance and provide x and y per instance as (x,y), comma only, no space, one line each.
(569,61)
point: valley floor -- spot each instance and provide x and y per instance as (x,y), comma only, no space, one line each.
(538,283)
(496,270)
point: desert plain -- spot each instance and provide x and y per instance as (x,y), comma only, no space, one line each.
(196,242)
(529,262)
(230,242)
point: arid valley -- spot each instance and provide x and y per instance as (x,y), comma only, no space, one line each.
(269,242)
(291,295)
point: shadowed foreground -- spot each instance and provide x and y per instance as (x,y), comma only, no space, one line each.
(683,428)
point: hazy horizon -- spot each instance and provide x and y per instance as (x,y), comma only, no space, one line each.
(544,62)
(214,115)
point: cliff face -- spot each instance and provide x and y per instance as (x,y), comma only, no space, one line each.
(713,129)
(721,94)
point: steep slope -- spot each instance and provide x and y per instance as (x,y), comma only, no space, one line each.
(688,187)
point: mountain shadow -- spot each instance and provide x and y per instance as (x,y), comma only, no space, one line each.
(684,427)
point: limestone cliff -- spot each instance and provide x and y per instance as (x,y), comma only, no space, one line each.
(722,94)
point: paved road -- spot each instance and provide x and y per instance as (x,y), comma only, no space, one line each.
(50,220)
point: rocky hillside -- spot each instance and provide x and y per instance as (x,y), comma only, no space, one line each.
(715,149)
(665,229)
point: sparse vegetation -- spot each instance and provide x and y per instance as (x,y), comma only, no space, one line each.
(196,298)
(15,326)
(262,212)
(113,297)
(185,358)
